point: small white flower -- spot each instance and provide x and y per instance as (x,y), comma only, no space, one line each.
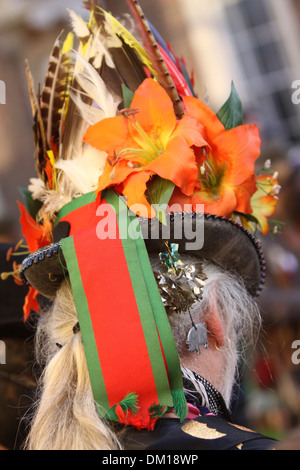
(267,164)
(276,189)
(275,176)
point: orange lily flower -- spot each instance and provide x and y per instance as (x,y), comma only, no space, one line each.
(226,172)
(30,303)
(263,202)
(147,140)
(37,236)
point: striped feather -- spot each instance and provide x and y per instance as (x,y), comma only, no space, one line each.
(161,71)
(54,93)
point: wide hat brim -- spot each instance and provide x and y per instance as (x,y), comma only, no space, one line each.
(222,241)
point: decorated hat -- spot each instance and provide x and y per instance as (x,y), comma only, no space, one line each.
(132,164)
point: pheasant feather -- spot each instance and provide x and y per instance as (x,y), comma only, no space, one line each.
(162,73)
(30,84)
(54,93)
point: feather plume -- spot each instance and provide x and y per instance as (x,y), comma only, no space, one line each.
(82,87)
(94,87)
(89,59)
(162,74)
(79,26)
(30,84)
(176,66)
(123,33)
(54,93)
(76,177)
(90,114)
(38,126)
(128,61)
(103,63)
(41,142)
(49,107)
(98,53)
(84,170)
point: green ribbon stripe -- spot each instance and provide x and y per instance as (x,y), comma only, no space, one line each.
(152,313)
(86,327)
(161,319)
(75,204)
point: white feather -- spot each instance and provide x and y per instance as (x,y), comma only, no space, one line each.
(53,200)
(90,114)
(79,26)
(82,173)
(94,87)
(75,177)
(36,187)
(100,51)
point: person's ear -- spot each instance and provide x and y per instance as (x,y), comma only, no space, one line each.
(215,327)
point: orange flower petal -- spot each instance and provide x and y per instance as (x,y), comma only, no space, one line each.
(244,193)
(238,148)
(35,235)
(192,131)
(180,202)
(114,175)
(109,135)
(263,222)
(134,189)
(224,205)
(156,113)
(177,164)
(202,113)
(263,203)
(30,303)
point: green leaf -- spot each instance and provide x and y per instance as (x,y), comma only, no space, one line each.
(33,205)
(127,96)
(231,113)
(159,193)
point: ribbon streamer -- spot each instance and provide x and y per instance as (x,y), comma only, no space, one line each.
(128,355)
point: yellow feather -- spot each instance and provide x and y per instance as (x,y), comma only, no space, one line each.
(129,39)
(68,44)
(52,161)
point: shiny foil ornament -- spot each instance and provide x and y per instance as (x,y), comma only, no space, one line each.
(180,284)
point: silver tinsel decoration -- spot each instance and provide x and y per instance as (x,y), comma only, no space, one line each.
(180,284)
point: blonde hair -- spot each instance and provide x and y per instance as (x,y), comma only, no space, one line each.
(65,416)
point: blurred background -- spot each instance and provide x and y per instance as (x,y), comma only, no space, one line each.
(255,43)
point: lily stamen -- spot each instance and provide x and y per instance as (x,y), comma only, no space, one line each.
(139,153)
(145,137)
